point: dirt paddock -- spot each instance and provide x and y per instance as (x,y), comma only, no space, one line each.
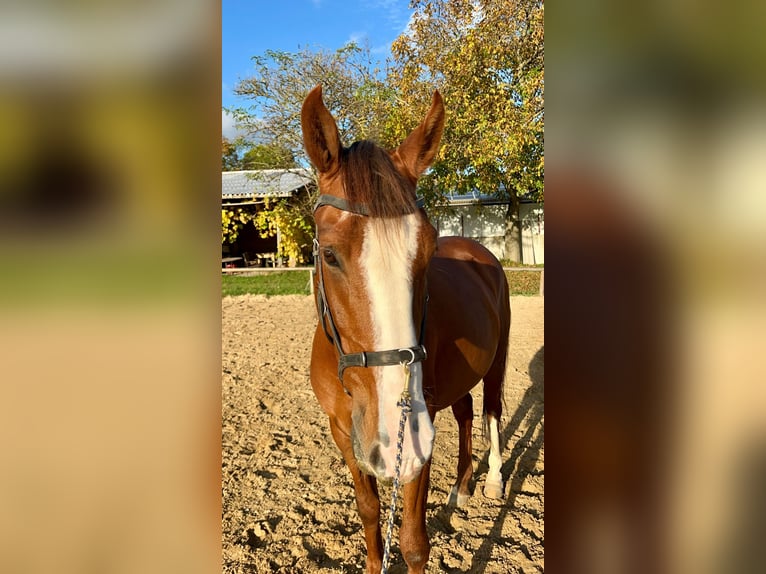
(288,501)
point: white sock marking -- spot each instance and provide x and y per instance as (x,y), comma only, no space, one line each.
(495,461)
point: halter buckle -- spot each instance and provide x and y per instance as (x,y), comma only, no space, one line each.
(412,355)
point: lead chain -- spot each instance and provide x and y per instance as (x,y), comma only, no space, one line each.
(404,403)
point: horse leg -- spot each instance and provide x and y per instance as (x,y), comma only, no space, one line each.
(493,410)
(493,485)
(413,538)
(367,501)
(463,411)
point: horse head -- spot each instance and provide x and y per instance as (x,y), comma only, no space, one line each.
(372,251)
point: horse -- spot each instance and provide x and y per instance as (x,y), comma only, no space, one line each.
(402,314)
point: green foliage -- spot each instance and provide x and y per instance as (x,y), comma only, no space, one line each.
(295,227)
(229,155)
(486,58)
(353,92)
(232,222)
(271,283)
(265,156)
(240,155)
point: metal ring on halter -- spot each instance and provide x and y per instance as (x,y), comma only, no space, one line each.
(412,353)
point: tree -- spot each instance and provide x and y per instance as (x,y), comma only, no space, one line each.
(486,58)
(229,155)
(354,93)
(266,156)
(240,154)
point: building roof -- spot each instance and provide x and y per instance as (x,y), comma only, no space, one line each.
(250,184)
(472,198)
(475,197)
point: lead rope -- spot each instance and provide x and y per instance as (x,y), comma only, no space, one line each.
(405,403)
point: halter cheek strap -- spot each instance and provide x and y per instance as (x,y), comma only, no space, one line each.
(389,357)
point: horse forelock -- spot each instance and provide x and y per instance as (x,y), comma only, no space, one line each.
(370,178)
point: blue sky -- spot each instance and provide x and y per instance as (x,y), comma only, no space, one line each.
(250,27)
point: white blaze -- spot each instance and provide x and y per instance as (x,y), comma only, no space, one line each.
(387,257)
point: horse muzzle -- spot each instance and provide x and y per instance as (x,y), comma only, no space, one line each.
(379,457)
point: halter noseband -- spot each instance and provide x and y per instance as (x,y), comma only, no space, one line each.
(407,355)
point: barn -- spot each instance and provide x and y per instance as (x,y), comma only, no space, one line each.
(474,215)
(250,190)
(483,218)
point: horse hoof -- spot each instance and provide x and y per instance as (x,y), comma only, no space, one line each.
(493,489)
(454,498)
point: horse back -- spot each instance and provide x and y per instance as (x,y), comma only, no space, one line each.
(468,317)
(475,262)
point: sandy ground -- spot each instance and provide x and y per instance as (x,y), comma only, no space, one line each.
(288,503)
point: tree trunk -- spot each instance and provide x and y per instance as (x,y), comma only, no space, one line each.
(513,231)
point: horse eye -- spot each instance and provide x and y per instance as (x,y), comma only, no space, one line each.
(330,258)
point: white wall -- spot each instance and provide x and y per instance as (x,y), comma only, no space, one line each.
(486,224)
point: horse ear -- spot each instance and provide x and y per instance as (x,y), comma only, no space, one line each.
(320,133)
(419,149)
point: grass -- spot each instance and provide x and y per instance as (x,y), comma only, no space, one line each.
(523,282)
(297,283)
(510,263)
(284,283)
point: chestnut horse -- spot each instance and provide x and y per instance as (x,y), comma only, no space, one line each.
(388,290)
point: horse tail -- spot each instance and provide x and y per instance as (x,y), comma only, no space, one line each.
(494,379)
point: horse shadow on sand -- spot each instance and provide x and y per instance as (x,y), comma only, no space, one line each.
(519,463)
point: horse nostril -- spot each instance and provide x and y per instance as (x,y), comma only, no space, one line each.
(376,461)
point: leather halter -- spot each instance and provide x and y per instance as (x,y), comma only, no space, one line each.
(407,355)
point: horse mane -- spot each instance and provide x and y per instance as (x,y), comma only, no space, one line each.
(370,178)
